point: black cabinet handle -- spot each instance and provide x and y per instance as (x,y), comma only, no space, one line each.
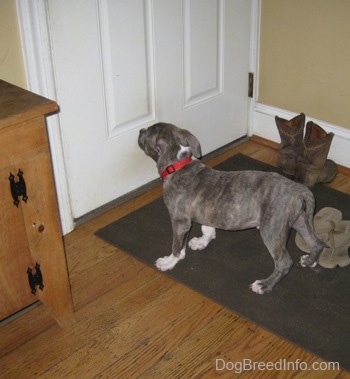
(18,188)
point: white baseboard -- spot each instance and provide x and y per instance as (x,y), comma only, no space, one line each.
(263,125)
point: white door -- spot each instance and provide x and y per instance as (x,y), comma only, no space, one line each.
(121,65)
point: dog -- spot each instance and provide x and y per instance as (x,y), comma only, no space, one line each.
(234,200)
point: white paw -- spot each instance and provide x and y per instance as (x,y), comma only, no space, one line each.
(257,287)
(169,262)
(304,259)
(198,243)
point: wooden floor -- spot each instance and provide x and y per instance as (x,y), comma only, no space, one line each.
(132,321)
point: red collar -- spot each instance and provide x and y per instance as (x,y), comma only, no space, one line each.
(175,167)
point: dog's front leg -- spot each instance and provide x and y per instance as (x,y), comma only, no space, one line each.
(200,243)
(180,232)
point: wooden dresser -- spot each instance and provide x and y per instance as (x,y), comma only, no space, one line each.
(32,257)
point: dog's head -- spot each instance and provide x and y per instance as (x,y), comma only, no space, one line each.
(167,144)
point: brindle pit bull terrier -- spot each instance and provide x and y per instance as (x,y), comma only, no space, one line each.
(228,200)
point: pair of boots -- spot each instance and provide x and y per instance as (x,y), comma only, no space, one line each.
(304,158)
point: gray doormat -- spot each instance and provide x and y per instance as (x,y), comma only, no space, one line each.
(309,307)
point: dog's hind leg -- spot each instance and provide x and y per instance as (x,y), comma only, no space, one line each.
(315,245)
(282,260)
(200,243)
(180,233)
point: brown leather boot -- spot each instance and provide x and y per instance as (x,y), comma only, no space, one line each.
(291,147)
(313,165)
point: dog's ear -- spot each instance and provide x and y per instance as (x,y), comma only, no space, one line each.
(188,139)
(161,145)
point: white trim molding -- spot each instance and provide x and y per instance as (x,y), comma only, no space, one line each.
(254,59)
(263,125)
(34,30)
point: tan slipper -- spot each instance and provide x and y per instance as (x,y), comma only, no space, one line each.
(338,253)
(324,222)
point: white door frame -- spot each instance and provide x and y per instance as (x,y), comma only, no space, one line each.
(32,18)
(34,29)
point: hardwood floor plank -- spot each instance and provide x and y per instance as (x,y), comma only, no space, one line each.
(189,359)
(189,312)
(17,332)
(94,320)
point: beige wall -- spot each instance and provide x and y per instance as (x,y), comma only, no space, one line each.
(305,58)
(11,58)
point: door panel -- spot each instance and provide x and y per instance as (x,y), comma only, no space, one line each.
(202,80)
(124,65)
(203,32)
(128,65)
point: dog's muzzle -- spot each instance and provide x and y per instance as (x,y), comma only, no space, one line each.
(141,139)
